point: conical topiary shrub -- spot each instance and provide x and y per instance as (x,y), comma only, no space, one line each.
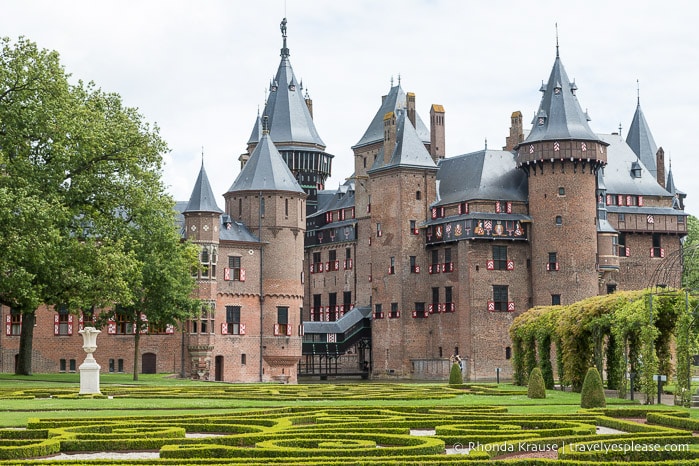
(455,377)
(592,394)
(536,387)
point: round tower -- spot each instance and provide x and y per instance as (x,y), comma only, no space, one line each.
(268,200)
(561,157)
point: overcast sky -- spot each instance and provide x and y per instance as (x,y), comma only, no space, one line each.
(200,69)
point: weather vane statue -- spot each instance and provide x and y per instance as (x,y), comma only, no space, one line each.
(282,26)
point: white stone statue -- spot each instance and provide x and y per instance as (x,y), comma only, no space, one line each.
(89,369)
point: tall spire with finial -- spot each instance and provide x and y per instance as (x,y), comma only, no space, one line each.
(285,49)
(557,55)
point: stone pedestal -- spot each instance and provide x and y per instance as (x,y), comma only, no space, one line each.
(89,369)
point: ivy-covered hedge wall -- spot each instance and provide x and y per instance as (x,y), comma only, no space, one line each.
(625,332)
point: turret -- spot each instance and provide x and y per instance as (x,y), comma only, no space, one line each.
(561,157)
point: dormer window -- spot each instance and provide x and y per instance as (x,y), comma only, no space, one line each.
(292,87)
(635,170)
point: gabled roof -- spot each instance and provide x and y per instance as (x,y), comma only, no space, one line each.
(640,139)
(395,100)
(289,118)
(202,198)
(265,171)
(409,150)
(486,174)
(559,116)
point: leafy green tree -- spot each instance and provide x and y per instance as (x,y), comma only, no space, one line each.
(164,288)
(75,165)
(592,393)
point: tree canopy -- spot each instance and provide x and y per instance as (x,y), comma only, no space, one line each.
(78,173)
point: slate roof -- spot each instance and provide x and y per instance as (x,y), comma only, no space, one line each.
(265,171)
(289,118)
(409,150)
(486,174)
(560,116)
(395,100)
(235,231)
(641,141)
(617,173)
(256,134)
(202,198)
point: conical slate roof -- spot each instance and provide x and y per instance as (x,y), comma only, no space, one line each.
(290,122)
(256,134)
(202,198)
(560,116)
(641,140)
(265,171)
(395,100)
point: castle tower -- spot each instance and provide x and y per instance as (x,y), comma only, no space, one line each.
(201,225)
(292,130)
(561,157)
(403,181)
(516,131)
(268,200)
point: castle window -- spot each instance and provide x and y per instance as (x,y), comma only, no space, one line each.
(611,288)
(559,220)
(500,296)
(553,262)
(622,249)
(62,365)
(561,191)
(419,311)
(418,195)
(124,323)
(234,271)
(434,266)
(233,325)
(120,365)
(395,313)
(262,206)
(64,322)
(332,307)
(448,299)
(392,267)
(448,264)
(346,302)
(555,299)
(499,261)
(508,352)
(286,208)
(413,227)
(621,217)
(378,230)
(317,309)
(243,359)
(378,311)
(72,365)
(657,250)
(282,326)
(414,268)
(435,307)
(240,208)
(333,263)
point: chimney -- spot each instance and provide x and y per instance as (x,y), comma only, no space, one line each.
(516,132)
(437,139)
(410,103)
(389,136)
(660,164)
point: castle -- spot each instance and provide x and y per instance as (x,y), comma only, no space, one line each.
(417,260)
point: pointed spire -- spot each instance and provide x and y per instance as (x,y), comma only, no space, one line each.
(560,115)
(640,140)
(202,198)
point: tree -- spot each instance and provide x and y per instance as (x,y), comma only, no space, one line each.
(455,375)
(592,393)
(75,164)
(536,387)
(164,287)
